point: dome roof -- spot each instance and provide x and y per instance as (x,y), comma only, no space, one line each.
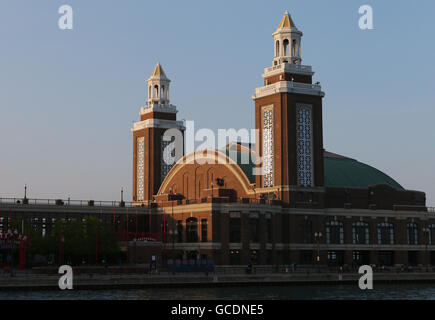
(340,171)
(346,172)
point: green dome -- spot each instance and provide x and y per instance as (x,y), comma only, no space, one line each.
(339,170)
(345,172)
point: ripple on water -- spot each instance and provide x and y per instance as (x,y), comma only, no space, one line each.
(306,292)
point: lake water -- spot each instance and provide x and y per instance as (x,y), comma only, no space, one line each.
(416,291)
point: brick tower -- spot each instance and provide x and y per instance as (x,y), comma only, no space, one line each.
(288,115)
(150,160)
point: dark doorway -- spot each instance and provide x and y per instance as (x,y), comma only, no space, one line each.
(386,258)
(335,258)
(361,258)
(412,258)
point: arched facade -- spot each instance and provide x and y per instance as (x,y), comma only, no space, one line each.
(196,172)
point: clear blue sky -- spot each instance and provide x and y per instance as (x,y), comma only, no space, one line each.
(68,98)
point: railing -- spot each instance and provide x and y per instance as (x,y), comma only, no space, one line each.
(140,236)
(290,67)
(431,209)
(63,202)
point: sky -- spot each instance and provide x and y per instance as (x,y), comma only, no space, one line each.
(68,98)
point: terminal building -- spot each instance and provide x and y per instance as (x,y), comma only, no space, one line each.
(308,206)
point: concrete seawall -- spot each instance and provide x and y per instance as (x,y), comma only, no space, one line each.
(39,282)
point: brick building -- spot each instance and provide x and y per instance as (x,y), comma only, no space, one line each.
(308,205)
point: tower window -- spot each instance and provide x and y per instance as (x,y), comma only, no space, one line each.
(277,49)
(156,91)
(285,44)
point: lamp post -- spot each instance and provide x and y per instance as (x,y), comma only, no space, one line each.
(427,232)
(173,234)
(61,242)
(317,236)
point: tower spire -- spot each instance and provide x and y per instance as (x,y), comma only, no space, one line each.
(158,87)
(286,21)
(287,42)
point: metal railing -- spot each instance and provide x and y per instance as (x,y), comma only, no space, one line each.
(431,209)
(64,202)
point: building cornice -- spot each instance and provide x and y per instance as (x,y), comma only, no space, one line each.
(158,123)
(288,87)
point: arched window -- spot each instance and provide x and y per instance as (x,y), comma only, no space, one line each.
(149,92)
(334,232)
(162,91)
(360,232)
(285,44)
(385,233)
(305,232)
(192,229)
(277,49)
(412,233)
(156,91)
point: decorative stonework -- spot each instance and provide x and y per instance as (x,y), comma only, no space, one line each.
(267,124)
(167,161)
(304,142)
(140,173)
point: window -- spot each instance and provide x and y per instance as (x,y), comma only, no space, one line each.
(334,232)
(285,44)
(360,233)
(179,231)
(235,228)
(269,230)
(191,230)
(385,233)
(335,258)
(277,49)
(254,229)
(203,230)
(305,232)
(412,233)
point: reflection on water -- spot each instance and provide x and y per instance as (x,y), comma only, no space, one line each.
(306,292)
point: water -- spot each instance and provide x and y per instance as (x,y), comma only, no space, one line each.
(418,291)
